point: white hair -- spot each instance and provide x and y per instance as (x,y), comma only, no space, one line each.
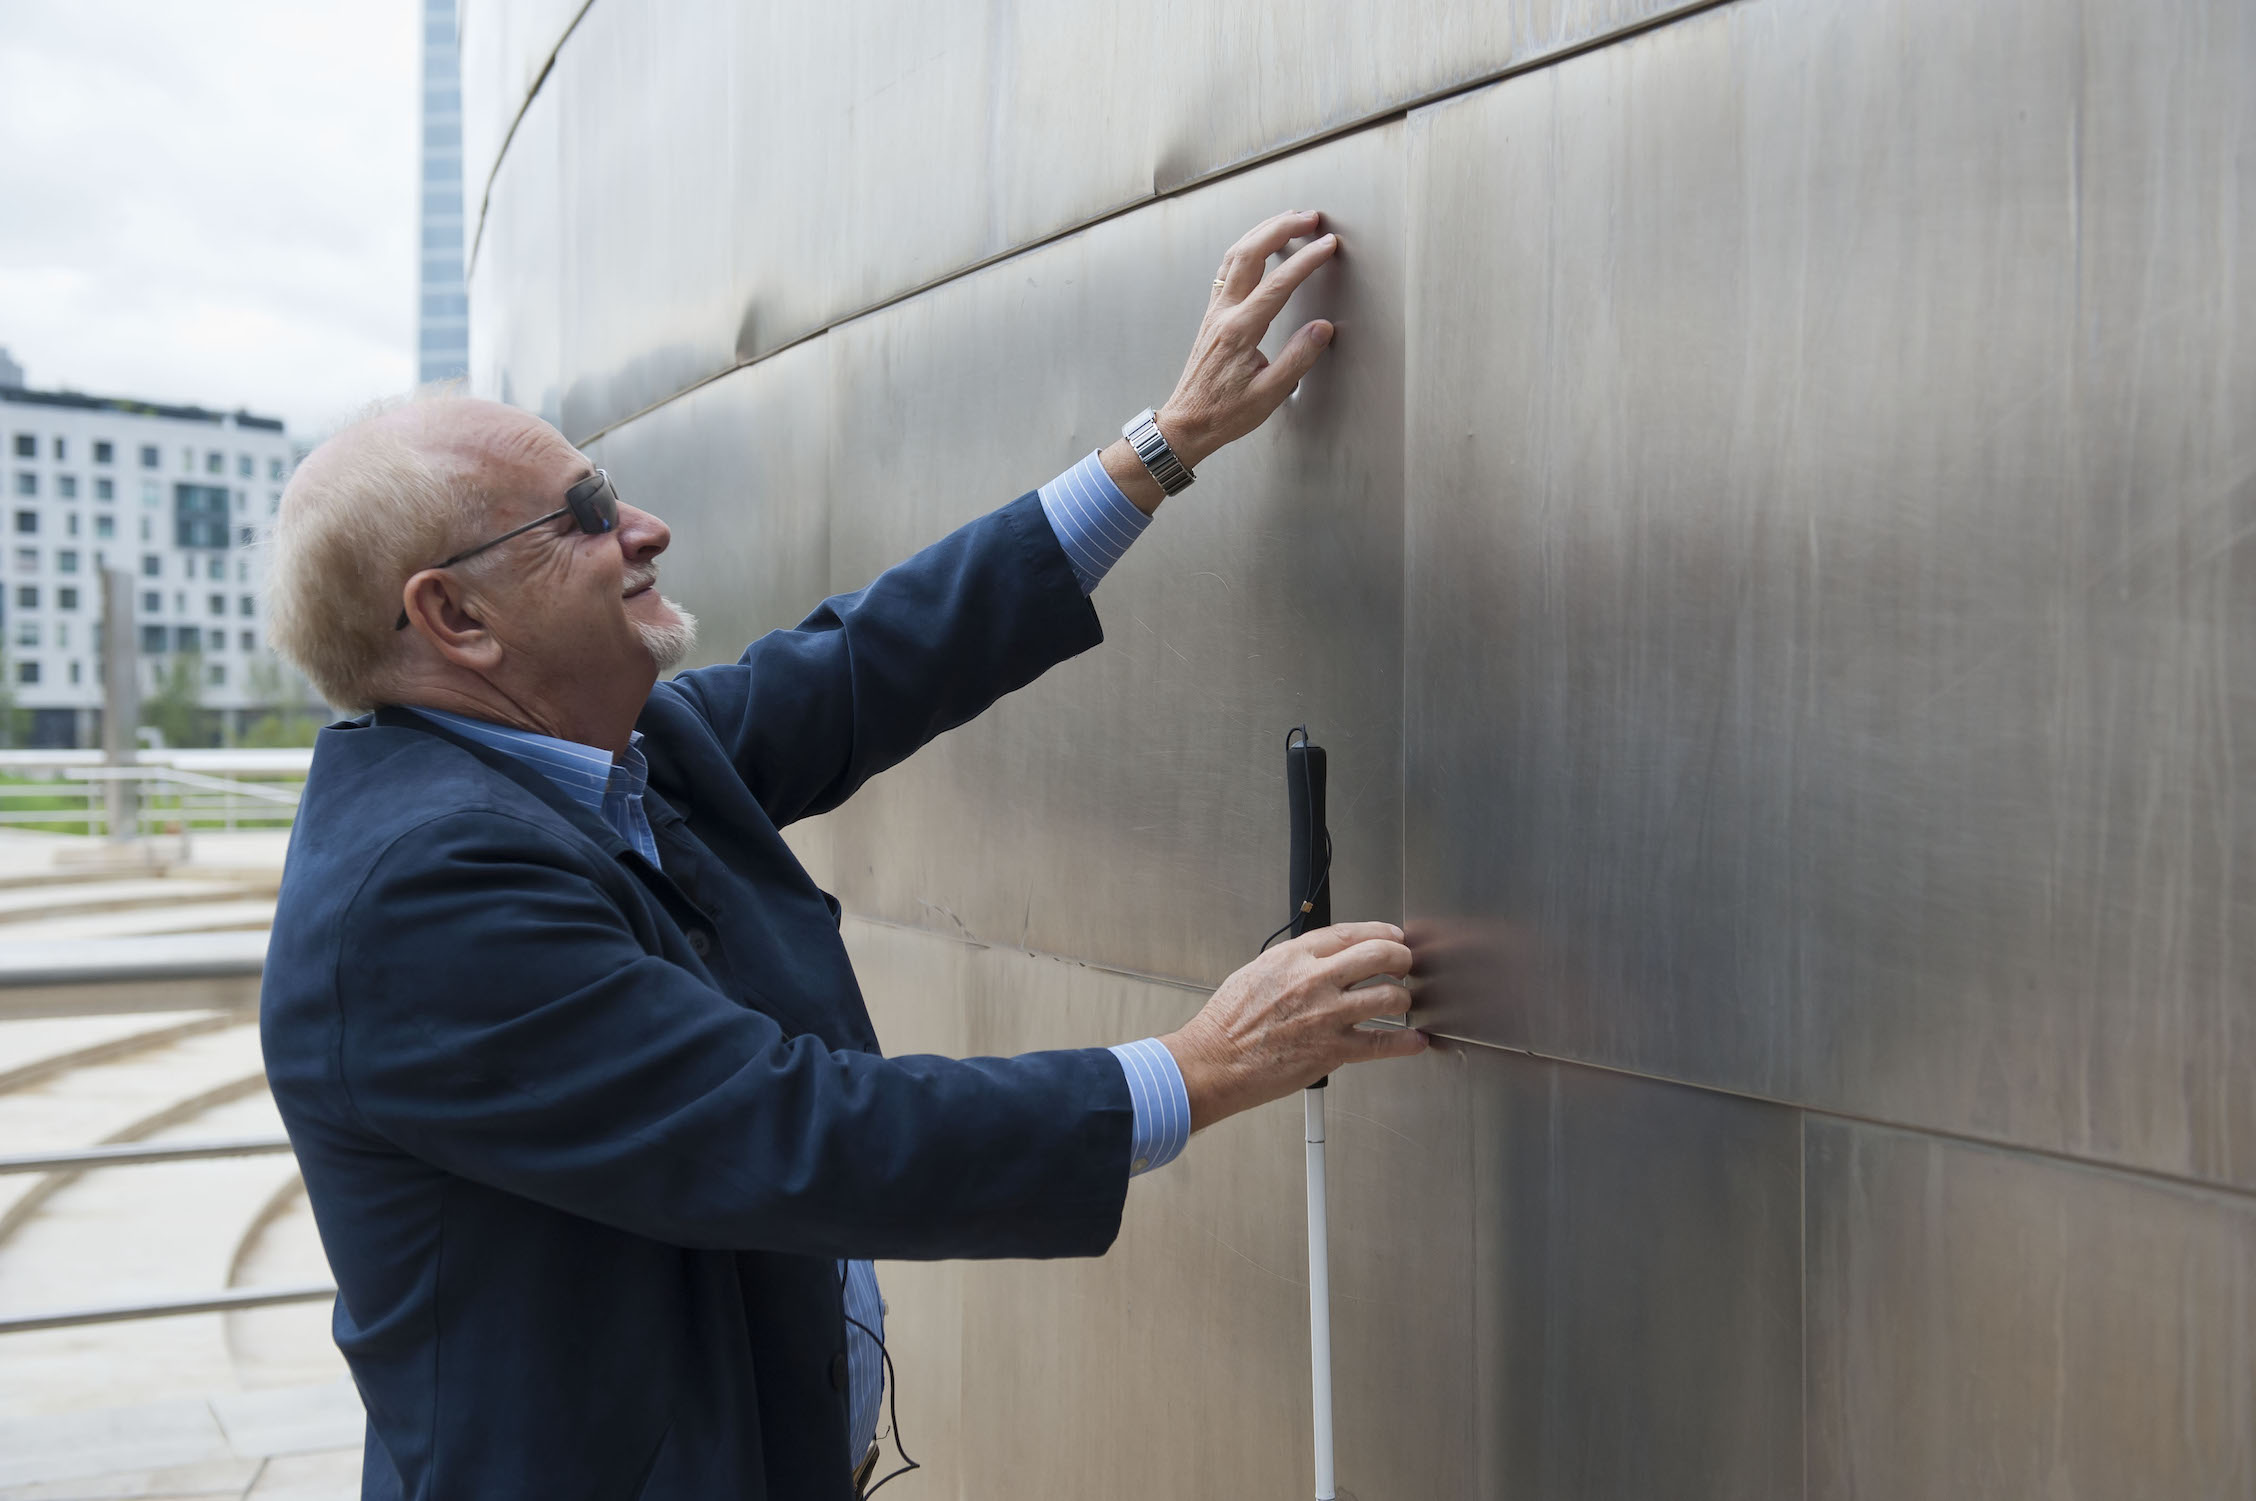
(365,511)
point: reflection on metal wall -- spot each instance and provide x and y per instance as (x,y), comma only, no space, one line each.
(1767,555)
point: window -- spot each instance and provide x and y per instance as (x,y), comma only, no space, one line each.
(27,673)
(62,452)
(273,468)
(215,568)
(187,638)
(148,455)
(27,633)
(70,523)
(105,452)
(27,523)
(74,673)
(105,527)
(152,493)
(218,604)
(245,536)
(179,603)
(152,640)
(26,483)
(105,488)
(273,502)
(244,466)
(152,566)
(242,500)
(243,569)
(215,462)
(246,607)
(144,528)
(66,599)
(216,674)
(27,596)
(27,446)
(62,633)
(250,641)
(187,461)
(27,560)
(199,519)
(218,640)
(66,560)
(152,603)
(66,485)
(445,305)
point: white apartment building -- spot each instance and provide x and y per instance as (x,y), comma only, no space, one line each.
(173,495)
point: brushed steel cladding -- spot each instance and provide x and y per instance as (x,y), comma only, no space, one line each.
(505,47)
(1178,1364)
(516,283)
(743,175)
(1129,808)
(1829,518)
(1637,1277)
(1987,1323)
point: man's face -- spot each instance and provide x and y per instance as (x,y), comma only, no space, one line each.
(567,605)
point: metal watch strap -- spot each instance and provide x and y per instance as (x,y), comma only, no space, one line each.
(1143,434)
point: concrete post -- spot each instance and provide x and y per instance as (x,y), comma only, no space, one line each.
(121,700)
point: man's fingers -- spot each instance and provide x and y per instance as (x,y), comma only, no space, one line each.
(1367,960)
(1325,942)
(1370,1002)
(1299,355)
(1269,298)
(1242,266)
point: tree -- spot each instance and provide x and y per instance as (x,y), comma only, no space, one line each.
(176,709)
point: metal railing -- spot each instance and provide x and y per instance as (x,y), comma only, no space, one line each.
(228,1301)
(68,799)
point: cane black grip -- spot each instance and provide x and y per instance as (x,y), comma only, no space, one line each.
(1310,892)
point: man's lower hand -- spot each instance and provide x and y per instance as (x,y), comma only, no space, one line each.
(1290,1017)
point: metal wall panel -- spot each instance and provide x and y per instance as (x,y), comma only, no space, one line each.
(1129,808)
(505,47)
(1830,502)
(1178,1364)
(718,156)
(1983,1323)
(1637,1305)
(516,284)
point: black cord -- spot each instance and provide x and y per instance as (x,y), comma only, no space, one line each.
(892,1396)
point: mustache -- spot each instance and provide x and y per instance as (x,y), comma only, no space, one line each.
(644,576)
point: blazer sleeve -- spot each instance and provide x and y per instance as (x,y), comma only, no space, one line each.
(809,714)
(523,1039)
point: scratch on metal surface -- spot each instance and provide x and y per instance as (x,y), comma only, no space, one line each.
(1289,1281)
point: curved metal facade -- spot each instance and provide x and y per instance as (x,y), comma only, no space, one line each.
(1770,557)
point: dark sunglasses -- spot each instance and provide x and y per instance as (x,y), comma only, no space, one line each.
(592,503)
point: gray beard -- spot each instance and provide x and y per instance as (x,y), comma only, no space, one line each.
(669,645)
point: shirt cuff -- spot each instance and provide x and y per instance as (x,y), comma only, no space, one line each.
(1163,1105)
(1094,522)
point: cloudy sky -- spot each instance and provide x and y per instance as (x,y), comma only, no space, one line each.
(211,202)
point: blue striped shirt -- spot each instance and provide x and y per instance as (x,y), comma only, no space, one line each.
(1094,523)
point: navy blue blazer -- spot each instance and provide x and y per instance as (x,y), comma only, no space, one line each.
(585,1137)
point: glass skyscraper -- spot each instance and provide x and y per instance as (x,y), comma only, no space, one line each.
(442,341)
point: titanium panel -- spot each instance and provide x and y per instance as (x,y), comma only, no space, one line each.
(1983,1323)
(1194,1327)
(1637,1287)
(1128,808)
(746,174)
(505,49)
(1829,544)
(517,282)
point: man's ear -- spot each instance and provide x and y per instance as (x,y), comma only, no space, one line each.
(441,611)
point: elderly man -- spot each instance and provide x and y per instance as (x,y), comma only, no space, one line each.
(589,1109)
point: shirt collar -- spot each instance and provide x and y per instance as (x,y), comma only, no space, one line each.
(585,772)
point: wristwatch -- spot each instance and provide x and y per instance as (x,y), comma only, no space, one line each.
(1143,434)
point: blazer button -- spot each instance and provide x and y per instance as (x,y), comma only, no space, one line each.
(699,944)
(838,1372)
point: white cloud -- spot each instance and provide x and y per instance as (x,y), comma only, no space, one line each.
(211,202)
